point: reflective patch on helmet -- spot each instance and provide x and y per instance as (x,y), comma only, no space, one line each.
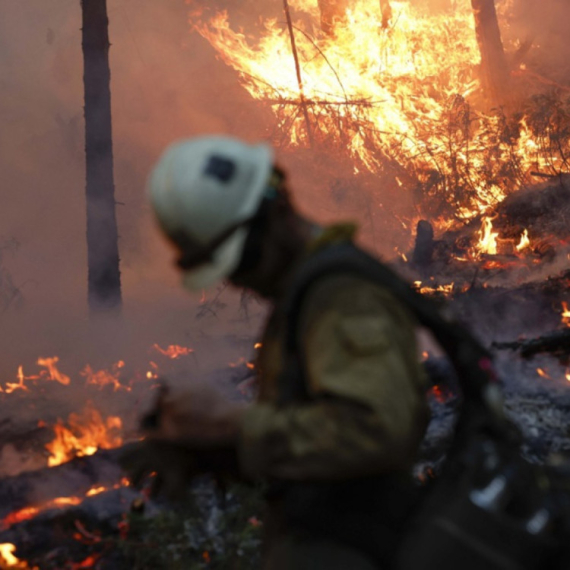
(220,168)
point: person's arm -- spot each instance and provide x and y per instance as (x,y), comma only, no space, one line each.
(369,410)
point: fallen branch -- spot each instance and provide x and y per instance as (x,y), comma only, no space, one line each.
(556,343)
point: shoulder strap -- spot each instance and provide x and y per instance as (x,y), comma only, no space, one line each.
(471,361)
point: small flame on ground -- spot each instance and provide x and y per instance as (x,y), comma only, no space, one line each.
(446,290)
(7,558)
(565,314)
(173,351)
(524,243)
(487,238)
(28,513)
(12,386)
(86,434)
(54,373)
(104,378)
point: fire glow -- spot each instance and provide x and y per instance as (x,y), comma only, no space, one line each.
(87,432)
(28,513)
(379,91)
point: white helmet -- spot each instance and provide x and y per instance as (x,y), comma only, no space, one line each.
(204,190)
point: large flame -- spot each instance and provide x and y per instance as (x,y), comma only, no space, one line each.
(373,91)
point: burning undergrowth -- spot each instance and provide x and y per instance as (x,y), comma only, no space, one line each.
(65,501)
(407,94)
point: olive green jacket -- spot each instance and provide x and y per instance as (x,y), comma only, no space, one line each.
(369,413)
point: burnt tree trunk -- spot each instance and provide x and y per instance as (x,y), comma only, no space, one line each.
(386,10)
(104,278)
(331,11)
(494,67)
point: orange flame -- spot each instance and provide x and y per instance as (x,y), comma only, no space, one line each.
(565,314)
(525,241)
(103,378)
(173,351)
(487,238)
(53,372)
(86,434)
(28,513)
(543,374)
(12,386)
(8,559)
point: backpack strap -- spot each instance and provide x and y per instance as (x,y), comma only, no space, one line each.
(471,361)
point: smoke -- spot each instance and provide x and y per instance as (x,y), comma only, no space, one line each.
(166,84)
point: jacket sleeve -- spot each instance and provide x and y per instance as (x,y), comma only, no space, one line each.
(369,412)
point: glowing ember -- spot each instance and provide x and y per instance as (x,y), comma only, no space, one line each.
(240,362)
(525,241)
(86,434)
(543,374)
(565,314)
(173,351)
(28,513)
(442,289)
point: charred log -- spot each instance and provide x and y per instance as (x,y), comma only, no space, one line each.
(74,478)
(58,537)
(386,10)
(494,67)
(424,247)
(104,280)
(556,343)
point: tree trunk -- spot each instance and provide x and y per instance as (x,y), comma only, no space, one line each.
(104,278)
(386,10)
(332,11)
(494,68)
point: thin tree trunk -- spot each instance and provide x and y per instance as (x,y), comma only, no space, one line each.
(104,278)
(494,67)
(298,71)
(386,10)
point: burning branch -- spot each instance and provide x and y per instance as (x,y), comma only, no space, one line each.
(298,70)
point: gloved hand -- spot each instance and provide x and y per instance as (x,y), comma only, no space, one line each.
(198,412)
(187,434)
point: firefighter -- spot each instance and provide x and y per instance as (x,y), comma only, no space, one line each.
(339,418)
